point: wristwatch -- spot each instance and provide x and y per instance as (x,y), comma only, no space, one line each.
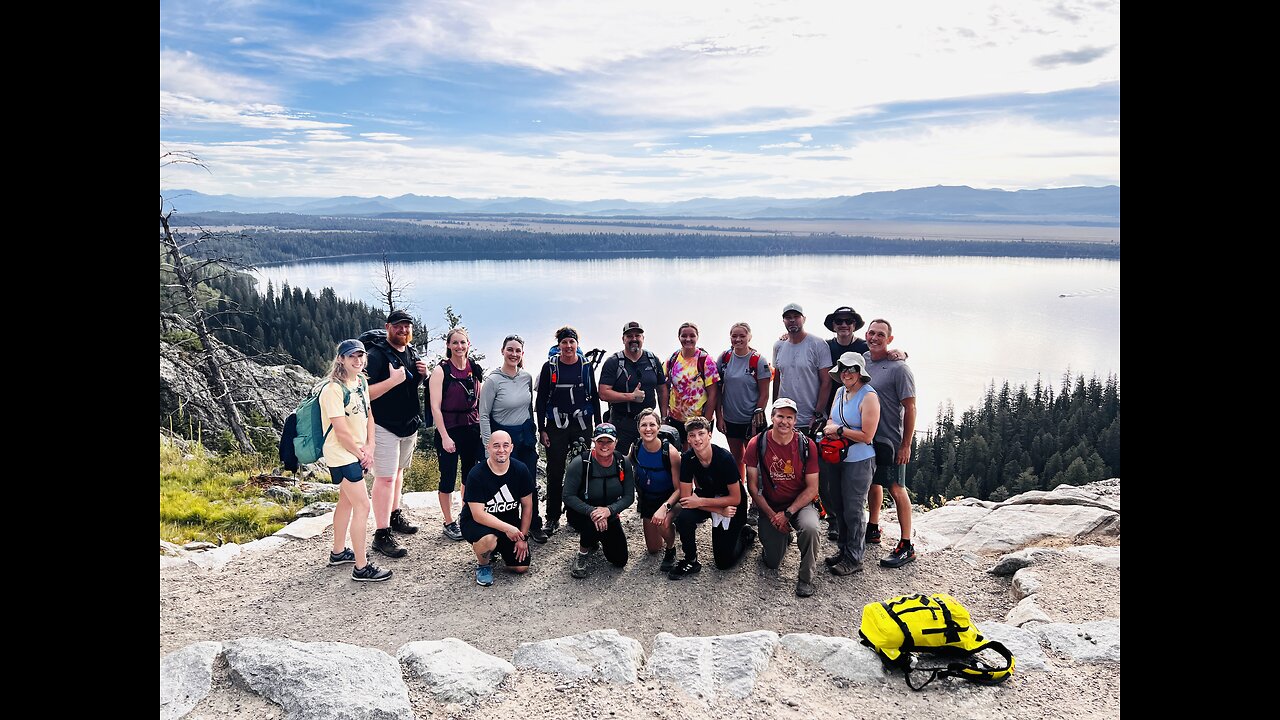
(670,507)
(788,513)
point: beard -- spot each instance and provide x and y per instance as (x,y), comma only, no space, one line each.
(634,345)
(405,338)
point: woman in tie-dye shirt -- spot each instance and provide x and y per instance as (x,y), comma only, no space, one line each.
(692,382)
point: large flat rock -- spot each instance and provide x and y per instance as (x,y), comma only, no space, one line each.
(305,528)
(1016,526)
(713,667)
(186,676)
(842,657)
(321,680)
(1097,641)
(948,523)
(455,671)
(598,653)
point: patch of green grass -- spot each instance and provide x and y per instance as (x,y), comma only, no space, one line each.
(423,474)
(204,497)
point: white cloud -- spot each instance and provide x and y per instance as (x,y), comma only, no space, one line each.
(805,137)
(724,60)
(178,109)
(325,135)
(1009,154)
(182,73)
(782,145)
(390,137)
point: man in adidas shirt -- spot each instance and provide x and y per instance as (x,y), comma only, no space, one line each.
(497,509)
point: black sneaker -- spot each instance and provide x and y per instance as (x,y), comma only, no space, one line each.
(452,532)
(370,573)
(401,524)
(385,543)
(833,532)
(579,569)
(753,516)
(550,527)
(684,567)
(668,560)
(834,560)
(346,557)
(846,567)
(748,537)
(904,553)
(539,536)
(873,534)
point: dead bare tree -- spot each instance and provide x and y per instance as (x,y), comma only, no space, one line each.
(389,289)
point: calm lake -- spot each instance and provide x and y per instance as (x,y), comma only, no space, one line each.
(965,321)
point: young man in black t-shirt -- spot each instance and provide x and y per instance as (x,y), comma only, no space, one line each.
(497,509)
(710,487)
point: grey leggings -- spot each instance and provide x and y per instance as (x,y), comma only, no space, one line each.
(843,487)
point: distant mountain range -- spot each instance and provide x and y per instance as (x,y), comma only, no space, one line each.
(1073,205)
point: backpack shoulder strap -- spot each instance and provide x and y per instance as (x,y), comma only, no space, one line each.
(666,456)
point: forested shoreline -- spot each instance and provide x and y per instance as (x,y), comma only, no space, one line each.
(270,238)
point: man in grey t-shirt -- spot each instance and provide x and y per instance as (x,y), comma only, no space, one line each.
(894,382)
(800,365)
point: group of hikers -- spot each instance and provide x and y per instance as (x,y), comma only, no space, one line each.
(823,427)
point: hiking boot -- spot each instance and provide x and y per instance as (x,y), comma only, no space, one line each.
(753,516)
(539,536)
(804,589)
(904,553)
(833,532)
(346,557)
(579,569)
(834,560)
(484,575)
(386,543)
(451,531)
(370,573)
(401,524)
(684,567)
(846,567)
(873,534)
(668,560)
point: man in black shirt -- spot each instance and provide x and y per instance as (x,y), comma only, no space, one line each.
(395,374)
(497,509)
(628,382)
(710,488)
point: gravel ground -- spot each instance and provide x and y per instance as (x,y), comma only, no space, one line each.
(290,592)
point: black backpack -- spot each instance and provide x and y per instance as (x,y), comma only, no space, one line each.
(477,378)
(618,458)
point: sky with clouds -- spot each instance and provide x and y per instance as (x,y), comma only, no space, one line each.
(645,101)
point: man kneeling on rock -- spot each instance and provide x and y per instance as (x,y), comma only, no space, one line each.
(497,509)
(782,476)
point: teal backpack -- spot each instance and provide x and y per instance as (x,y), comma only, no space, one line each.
(308,444)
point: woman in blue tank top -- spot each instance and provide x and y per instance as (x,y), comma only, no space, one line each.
(843,486)
(657,492)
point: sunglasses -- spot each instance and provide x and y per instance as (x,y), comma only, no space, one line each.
(842,321)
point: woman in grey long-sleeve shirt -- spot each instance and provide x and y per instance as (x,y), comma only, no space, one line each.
(506,403)
(596,489)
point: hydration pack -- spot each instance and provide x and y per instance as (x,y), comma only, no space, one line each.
(899,628)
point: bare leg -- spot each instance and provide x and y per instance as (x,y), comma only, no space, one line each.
(358,497)
(902,502)
(341,520)
(875,498)
(383,500)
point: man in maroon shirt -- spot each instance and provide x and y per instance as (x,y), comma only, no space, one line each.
(782,477)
